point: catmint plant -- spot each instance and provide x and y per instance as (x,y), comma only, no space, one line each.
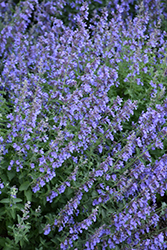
(83,144)
(22,227)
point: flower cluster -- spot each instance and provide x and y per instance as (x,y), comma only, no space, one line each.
(85,125)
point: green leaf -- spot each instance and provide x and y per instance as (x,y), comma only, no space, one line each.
(138,151)
(19,219)
(17,200)
(5,200)
(2,242)
(69,192)
(103,205)
(111,210)
(13,213)
(94,194)
(22,175)
(103,213)
(24,186)
(11,174)
(28,195)
(2,212)
(163,208)
(55,240)
(4,177)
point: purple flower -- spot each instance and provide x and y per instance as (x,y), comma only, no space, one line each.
(98,173)
(36,188)
(47,229)
(62,84)
(1,186)
(61,189)
(42,160)
(42,183)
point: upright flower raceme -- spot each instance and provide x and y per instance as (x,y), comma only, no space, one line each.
(63,85)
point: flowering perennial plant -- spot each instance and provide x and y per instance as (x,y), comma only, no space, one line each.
(83,125)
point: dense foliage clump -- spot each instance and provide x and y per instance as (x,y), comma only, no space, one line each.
(83,125)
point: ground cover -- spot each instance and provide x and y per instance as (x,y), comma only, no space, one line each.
(83,127)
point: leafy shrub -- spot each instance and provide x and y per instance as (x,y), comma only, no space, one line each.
(83,146)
